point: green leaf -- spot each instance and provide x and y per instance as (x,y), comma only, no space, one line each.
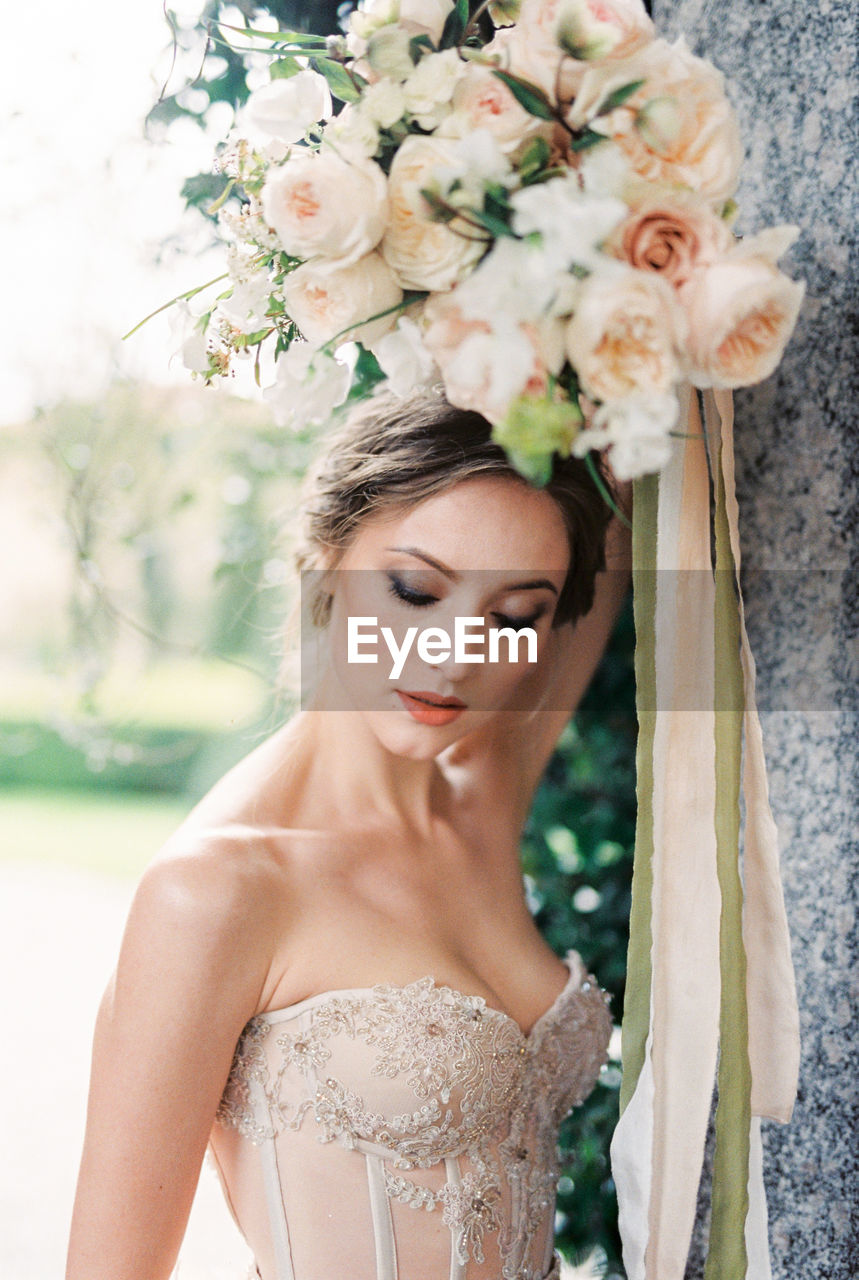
(419,45)
(534,158)
(284,69)
(528,95)
(586,139)
(339,80)
(497,226)
(303,38)
(204,190)
(619,97)
(442,211)
(454,27)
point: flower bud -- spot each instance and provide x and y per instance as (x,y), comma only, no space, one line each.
(659,122)
(582,35)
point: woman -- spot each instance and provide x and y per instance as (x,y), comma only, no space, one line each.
(347,905)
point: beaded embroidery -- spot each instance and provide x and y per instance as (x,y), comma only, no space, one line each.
(484,1092)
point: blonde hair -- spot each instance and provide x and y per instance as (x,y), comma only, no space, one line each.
(392,451)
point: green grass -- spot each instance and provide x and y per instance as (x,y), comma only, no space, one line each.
(110,832)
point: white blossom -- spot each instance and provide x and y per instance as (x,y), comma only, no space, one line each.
(404,359)
(572,225)
(309,386)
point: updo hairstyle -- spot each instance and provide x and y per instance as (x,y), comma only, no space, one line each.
(393,451)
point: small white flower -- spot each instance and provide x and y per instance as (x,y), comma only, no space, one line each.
(389,53)
(309,386)
(636,431)
(572,225)
(246,307)
(430,87)
(476,161)
(405,360)
(354,132)
(384,103)
(189,335)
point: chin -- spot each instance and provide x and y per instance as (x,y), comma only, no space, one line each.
(404,737)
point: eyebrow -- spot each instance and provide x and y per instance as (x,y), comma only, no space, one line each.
(532,584)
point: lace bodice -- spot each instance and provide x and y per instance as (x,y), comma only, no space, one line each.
(404,1132)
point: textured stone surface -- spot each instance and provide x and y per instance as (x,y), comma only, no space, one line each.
(792,77)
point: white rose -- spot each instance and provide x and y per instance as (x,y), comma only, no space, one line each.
(285,109)
(424,253)
(624,336)
(309,386)
(428,16)
(421,17)
(405,360)
(372,14)
(335,304)
(324,206)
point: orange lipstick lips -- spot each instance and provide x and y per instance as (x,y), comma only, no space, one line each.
(429,708)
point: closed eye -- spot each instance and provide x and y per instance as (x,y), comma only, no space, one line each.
(517,624)
(419,599)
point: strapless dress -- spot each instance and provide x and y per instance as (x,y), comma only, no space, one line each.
(405,1132)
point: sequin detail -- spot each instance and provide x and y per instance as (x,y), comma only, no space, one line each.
(488,1099)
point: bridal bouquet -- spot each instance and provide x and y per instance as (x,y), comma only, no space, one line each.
(540,222)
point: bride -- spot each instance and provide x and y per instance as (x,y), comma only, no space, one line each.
(330,976)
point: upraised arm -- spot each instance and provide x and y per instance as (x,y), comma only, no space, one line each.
(188,978)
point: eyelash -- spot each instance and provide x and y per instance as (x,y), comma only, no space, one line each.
(420,600)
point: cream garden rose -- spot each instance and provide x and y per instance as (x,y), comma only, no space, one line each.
(599,29)
(482,101)
(625,334)
(326,207)
(332,304)
(701,151)
(740,313)
(422,252)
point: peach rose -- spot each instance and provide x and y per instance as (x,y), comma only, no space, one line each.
(532,49)
(482,101)
(422,252)
(331,303)
(701,150)
(326,207)
(673,235)
(625,334)
(740,312)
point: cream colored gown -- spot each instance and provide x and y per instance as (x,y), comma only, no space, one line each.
(404,1132)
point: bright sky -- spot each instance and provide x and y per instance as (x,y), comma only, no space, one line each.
(86,203)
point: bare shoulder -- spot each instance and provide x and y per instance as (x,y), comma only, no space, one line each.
(207,914)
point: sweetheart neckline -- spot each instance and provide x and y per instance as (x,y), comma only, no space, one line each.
(572,960)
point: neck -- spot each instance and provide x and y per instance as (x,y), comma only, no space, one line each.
(358,776)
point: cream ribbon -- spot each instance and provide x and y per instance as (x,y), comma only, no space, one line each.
(658,1146)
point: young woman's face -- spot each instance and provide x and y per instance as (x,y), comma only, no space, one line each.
(490,549)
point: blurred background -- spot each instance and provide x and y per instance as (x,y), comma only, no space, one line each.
(145,579)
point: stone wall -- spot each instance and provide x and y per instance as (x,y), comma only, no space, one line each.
(793,79)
